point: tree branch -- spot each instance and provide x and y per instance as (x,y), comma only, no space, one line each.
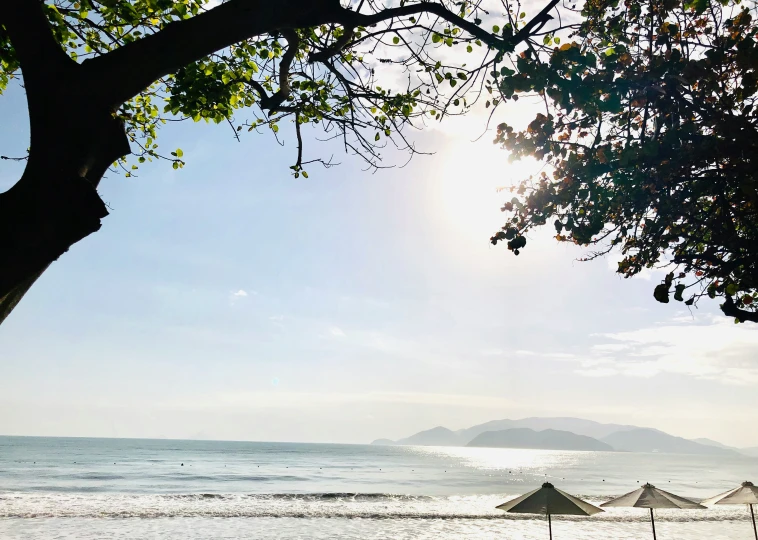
(274,102)
(39,54)
(338,45)
(730,309)
(352,19)
(131,68)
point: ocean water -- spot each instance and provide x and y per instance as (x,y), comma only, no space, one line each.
(133,489)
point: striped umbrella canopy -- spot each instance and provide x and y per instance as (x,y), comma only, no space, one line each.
(549,500)
(746,493)
(649,496)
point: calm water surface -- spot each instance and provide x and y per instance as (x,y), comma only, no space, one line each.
(129,488)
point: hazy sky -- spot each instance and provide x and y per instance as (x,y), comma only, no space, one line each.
(230,300)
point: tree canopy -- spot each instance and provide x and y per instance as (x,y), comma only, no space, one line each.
(649,134)
(320,63)
(102,76)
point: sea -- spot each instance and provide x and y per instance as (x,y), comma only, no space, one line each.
(80,488)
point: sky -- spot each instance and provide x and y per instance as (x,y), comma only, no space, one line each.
(229,300)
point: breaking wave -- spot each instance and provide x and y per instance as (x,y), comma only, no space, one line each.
(303,505)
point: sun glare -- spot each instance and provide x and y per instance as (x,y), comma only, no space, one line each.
(467,183)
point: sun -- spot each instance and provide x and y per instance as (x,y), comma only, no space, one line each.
(467,189)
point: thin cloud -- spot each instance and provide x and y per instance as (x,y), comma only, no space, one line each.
(337,332)
(240,295)
(297,400)
(597,372)
(718,350)
(560,355)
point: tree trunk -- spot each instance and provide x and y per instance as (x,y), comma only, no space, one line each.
(74,139)
(39,220)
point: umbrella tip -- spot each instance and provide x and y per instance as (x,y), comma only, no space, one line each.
(548,485)
(747,484)
(648,485)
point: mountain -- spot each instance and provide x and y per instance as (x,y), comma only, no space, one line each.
(439,436)
(588,428)
(548,439)
(619,436)
(652,440)
(711,442)
(383,442)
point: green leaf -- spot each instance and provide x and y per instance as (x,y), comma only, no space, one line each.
(496,29)
(699,5)
(678,294)
(179,152)
(395,40)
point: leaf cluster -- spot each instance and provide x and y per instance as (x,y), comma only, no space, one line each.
(363,79)
(650,134)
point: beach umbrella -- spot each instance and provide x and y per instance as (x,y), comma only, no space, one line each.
(747,494)
(549,500)
(649,496)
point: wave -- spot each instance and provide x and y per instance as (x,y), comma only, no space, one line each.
(304,496)
(221,478)
(92,476)
(335,505)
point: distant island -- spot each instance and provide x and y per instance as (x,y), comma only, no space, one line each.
(567,434)
(548,439)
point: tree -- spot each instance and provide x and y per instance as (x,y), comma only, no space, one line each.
(650,132)
(101,76)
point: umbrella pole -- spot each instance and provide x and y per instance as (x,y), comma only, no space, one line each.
(652,520)
(550,525)
(752,515)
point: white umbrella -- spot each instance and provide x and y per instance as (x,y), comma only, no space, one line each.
(747,494)
(649,496)
(549,500)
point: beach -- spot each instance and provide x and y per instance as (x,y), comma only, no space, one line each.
(130,488)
